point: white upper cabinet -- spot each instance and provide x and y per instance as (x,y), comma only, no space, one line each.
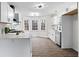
(10,14)
(6,13)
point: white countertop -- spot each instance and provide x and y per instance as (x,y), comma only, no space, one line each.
(13,35)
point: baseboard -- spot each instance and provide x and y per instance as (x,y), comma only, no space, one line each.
(75,49)
(68,49)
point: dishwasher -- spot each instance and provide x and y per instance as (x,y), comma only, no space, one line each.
(58,38)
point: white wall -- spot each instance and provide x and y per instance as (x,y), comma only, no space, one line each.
(67,32)
(70,32)
(75,32)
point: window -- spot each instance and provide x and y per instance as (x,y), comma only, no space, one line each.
(26,25)
(43,25)
(34,25)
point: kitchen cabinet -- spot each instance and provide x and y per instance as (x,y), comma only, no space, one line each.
(51,35)
(15,47)
(10,14)
(5,12)
(58,38)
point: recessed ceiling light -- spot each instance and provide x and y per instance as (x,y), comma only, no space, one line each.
(34,14)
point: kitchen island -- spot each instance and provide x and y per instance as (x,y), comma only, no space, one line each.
(13,46)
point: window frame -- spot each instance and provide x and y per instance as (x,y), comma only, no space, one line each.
(34,25)
(43,27)
(26,25)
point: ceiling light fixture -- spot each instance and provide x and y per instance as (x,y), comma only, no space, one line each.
(40,6)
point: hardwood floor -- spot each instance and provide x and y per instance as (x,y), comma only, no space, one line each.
(44,47)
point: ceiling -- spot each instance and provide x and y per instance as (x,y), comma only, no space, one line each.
(26,8)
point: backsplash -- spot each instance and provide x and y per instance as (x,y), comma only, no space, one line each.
(2,26)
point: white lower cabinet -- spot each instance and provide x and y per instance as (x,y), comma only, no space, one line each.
(57,38)
(15,47)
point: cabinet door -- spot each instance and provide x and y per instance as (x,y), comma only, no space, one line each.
(57,37)
(4,12)
(10,14)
